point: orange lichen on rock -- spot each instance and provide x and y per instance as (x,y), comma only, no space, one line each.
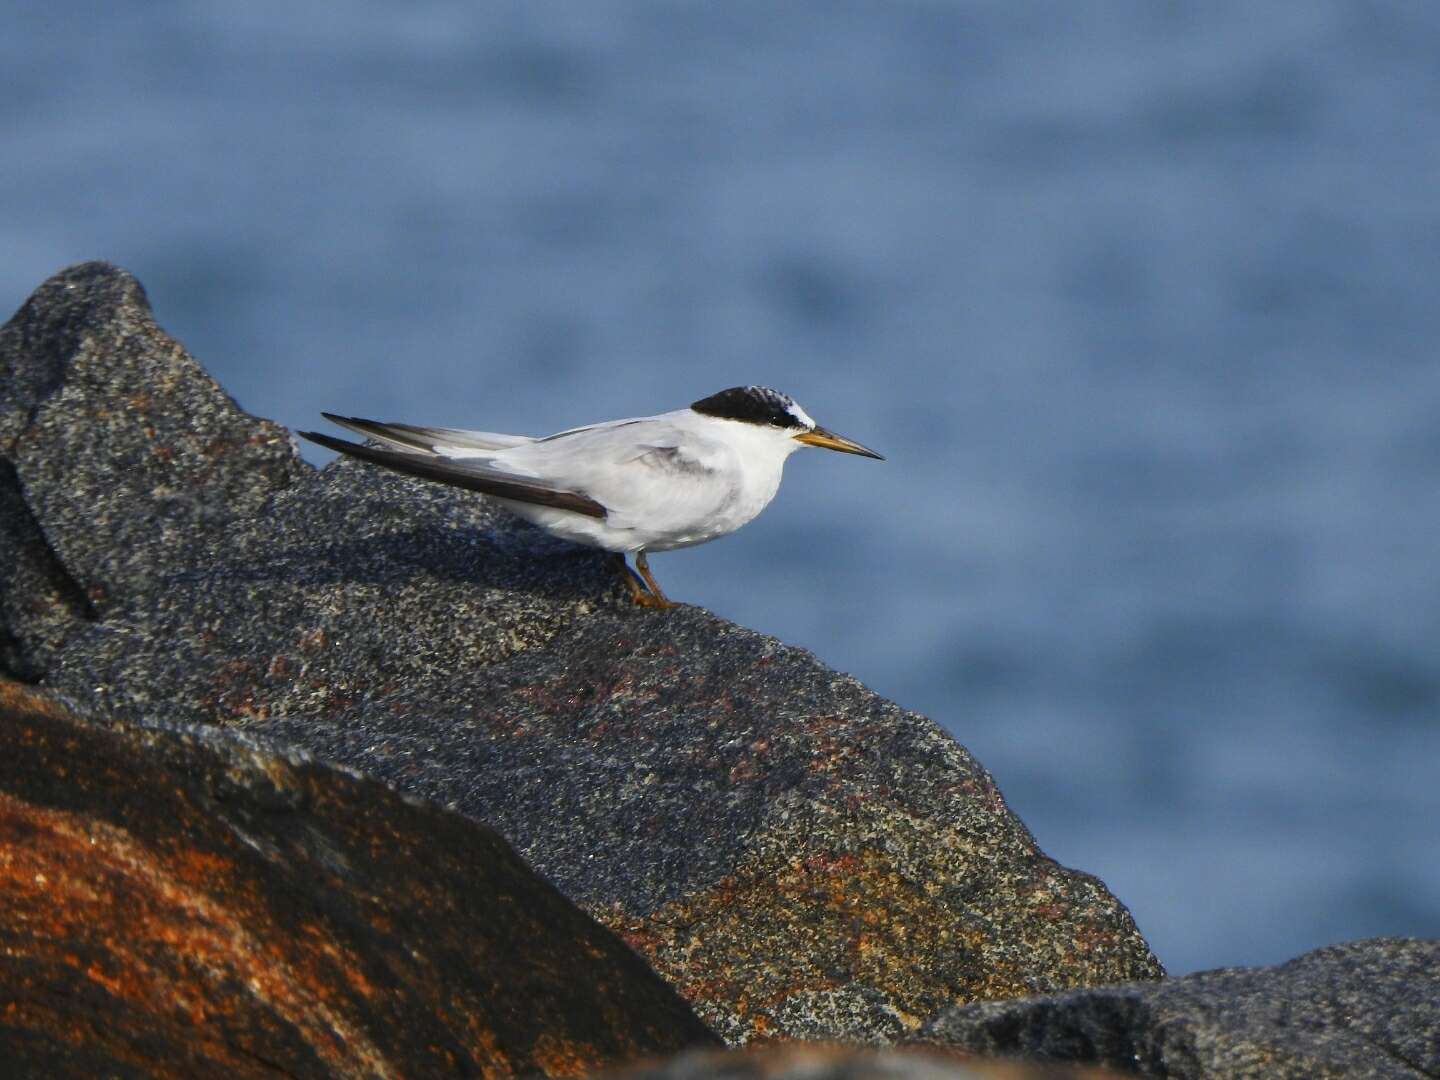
(730,948)
(182,905)
(128,910)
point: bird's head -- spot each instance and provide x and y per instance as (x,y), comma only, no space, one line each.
(770,409)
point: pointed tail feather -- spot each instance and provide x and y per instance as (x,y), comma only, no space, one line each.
(446,442)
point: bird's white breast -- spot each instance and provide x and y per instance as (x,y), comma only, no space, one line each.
(667,481)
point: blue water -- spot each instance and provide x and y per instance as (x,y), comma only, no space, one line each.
(1142,302)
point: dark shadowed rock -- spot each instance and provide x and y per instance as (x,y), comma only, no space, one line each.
(814,1061)
(1364,1009)
(40,603)
(795,854)
(189,903)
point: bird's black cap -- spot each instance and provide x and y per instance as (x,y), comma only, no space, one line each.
(753,405)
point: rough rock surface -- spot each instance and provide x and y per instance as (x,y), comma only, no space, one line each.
(1363,1009)
(796,855)
(814,1061)
(188,903)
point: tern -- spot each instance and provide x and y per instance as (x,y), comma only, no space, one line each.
(651,483)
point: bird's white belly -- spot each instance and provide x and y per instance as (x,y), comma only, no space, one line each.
(663,516)
(687,532)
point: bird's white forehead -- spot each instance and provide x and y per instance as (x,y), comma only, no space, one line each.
(800,415)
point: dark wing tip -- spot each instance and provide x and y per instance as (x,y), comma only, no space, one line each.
(327,441)
(444,471)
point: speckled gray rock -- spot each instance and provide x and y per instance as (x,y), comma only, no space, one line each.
(126,449)
(795,854)
(1363,1009)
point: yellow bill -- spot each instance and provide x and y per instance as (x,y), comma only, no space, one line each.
(828,440)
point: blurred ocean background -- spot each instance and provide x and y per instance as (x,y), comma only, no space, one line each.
(1141,300)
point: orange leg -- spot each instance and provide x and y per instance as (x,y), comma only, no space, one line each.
(657,594)
(638,594)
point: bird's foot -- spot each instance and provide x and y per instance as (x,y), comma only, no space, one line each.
(650,600)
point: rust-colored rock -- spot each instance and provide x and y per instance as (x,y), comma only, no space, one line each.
(192,904)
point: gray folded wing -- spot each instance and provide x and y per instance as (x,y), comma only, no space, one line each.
(465,473)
